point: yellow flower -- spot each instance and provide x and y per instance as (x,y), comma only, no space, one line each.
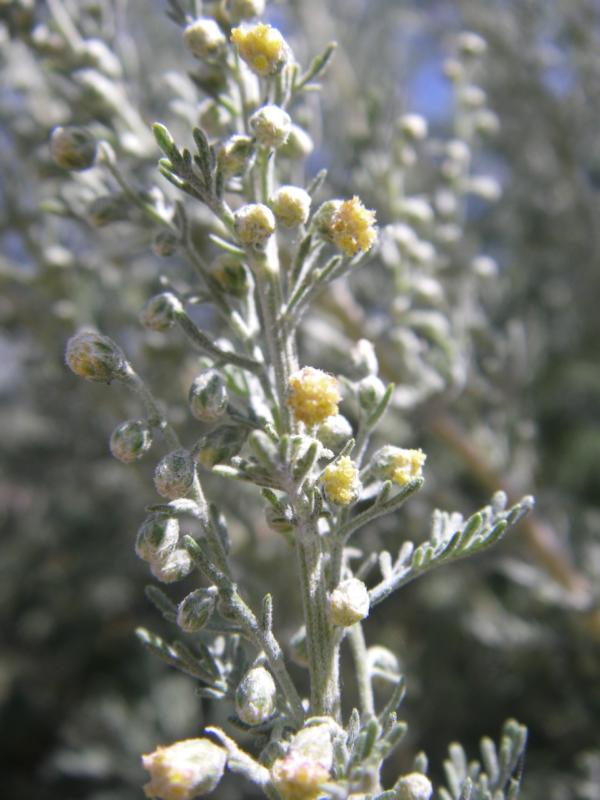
(298,778)
(262,47)
(184,770)
(254,224)
(349,603)
(291,206)
(341,482)
(313,395)
(352,227)
(406,465)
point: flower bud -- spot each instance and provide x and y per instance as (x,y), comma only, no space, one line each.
(472,96)
(298,145)
(413,127)
(73,148)
(271,125)
(204,39)
(233,155)
(95,357)
(131,440)
(486,122)
(220,445)
(262,47)
(196,609)
(156,538)
(184,770)
(398,464)
(159,312)
(306,766)
(254,225)
(232,275)
(334,432)
(341,482)
(208,396)
(471,44)
(106,209)
(291,206)
(484,186)
(414,786)
(256,696)
(165,244)
(416,211)
(349,603)
(245,9)
(313,395)
(174,474)
(370,391)
(173,567)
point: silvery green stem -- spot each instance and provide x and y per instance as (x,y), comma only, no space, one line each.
(263,639)
(321,649)
(265,266)
(359,653)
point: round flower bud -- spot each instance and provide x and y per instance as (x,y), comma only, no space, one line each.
(271,125)
(231,274)
(208,396)
(340,481)
(384,667)
(370,391)
(417,211)
(174,474)
(298,145)
(165,244)
(471,44)
(184,770)
(398,464)
(413,127)
(348,224)
(73,148)
(159,312)
(106,209)
(256,696)
(313,395)
(254,225)
(95,357)
(204,39)
(484,186)
(246,9)
(349,603)
(415,786)
(291,206)
(196,609)
(486,122)
(233,155)
(334,432)
(262,47)
(220,445)
(156,538)
(173,567)
(472,96)
(307,765)
(131,440)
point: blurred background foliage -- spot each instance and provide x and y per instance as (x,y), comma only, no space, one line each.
(514,633)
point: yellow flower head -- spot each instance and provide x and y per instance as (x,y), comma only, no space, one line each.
(262,47)
(254,224)
(184,770)
(298,778)
(291,206)
(313,395)
(341,482)
(352,227)
(406,465)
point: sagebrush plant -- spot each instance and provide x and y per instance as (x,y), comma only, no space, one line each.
(263,248)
